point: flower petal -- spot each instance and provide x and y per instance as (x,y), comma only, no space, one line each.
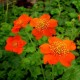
(9,40)
(52,23)
(70,44)
(37,34)
(19,51)
(34,22)
(15,29)
(66,59)
(52,39)
(25,22)
(8,47)
(21,43)
(45,48)
(22,20)
(51,59)
(17,37)
(45,16)
(49,32)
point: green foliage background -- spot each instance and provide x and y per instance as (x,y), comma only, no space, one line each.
(29,65)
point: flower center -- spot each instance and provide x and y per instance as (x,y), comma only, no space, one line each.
(42,24)
(15,44)
(59,47)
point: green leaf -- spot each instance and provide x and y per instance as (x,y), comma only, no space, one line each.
(48,74)
(31,49)
(28,28)
(35,58)
(72,73)
(6,27)
(68,23)
(60,69)
(75,53)
(35,71)
(0,54)
(71,32)
(2,74)
(15,74)
(73,15)
(25,62)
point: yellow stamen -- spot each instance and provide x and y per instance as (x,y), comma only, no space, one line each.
(59,47)
(42,24)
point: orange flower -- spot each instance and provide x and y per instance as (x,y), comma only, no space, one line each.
(21,22)
(15,44)
(58,50)
(43,26)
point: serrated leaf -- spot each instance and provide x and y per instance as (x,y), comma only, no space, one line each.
(72,73)
(25,62)
(31,49)
(35,71)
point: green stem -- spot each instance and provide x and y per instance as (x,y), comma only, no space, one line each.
(43,72)
(31,72)
(41,64)
(29,38)
(3,7)
(52,72)
(6,14)
(11,3)
(59,8)
(78,5)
